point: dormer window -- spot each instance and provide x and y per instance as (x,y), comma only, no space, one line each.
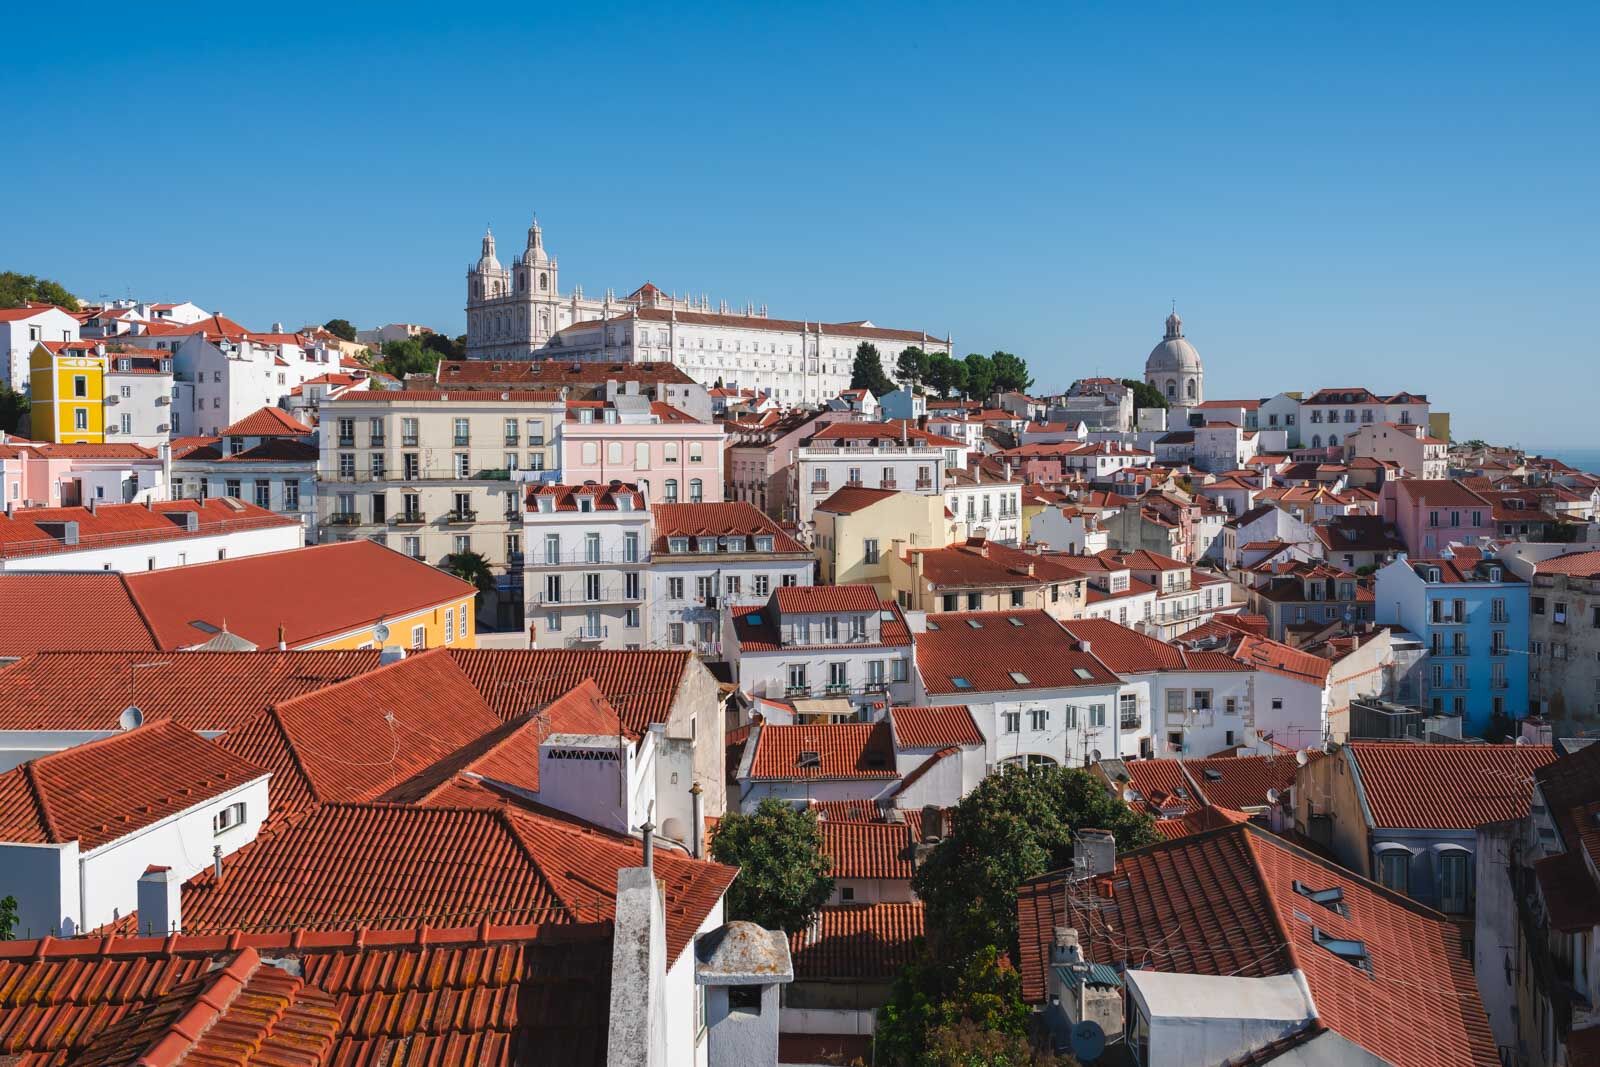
(764,543)
(733,544)
(1494,574)
(1433,574)
(585,503)
(677,544)
(124,364)
(585,415)
(1332,899)
(706,544)
(1351,951)
(547,504)
(808,760)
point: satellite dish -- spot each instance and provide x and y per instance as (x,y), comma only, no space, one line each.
(1095,755)
(380,632)
(1521,741)
(1301,758)
(1329,748)
(1272,796)
(1088,1040)
(131,718)
(1130,795)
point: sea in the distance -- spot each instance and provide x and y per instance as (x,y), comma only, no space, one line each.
(1585,459)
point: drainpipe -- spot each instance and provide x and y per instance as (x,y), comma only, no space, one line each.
(697,833)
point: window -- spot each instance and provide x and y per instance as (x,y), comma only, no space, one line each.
(591,585)
(228,818)
(1097,715)
(762,584)
(419,637)
(80,418)
(233,487)
(838,675)
(1038,719)
(413,547)
(1128,711)
(1394,869)
(449,624)
(263,493)
(674,588)
(1013,721)
(462,433)
(80,385)
(797,677)
(696,491)
(671,491)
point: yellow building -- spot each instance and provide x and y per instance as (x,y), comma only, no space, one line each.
(66,387)
(981,575)
(857,529)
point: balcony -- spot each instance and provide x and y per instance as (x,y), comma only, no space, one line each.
(924,483)
(819,487)
(344,518)
(408,440)
(513,442)
(459,516)
(410,518)
(376,441)
(587,637)
(347,441)
(887,483)
(461,442)
(1130,722)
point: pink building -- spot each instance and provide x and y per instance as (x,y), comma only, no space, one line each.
(672,457)
(1432,513)
(50,475)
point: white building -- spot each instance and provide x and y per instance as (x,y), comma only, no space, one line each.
(23,328)
(990,505)
(707,554)
(267,458)
(235,371)
(1039,695)
(879,455)
(1174,367)
(586,566)
(85,864)
(520,313)
(139,397)
(140,537)
(826,641)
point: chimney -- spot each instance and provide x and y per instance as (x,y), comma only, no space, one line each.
(216,862)
(648,829)
(697,832)
(1099,850)
(1086,647)
(283,643)
(160,902)
(391,654)
(637,1033)
(277,327)
(1067,947)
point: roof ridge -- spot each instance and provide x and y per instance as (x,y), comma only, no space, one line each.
(138,609)
(205,1010)
(52,831)
(277,723)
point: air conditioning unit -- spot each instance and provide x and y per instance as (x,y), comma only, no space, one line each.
(711,602)
(164,428)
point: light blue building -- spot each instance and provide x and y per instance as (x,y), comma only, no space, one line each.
(1471,614)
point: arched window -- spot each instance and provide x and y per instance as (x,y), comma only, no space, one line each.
(1172,389)
(1316,440)
(520,281)
(1333,439)
(1018,763)
(1393,862)
(1189,389)
(1455,879)
(544,281)
(696,491)
(671,487)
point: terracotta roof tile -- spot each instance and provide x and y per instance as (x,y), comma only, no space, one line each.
(610,497)
(841,751)
(201,690)
(1223,902)
(934,727)
(92,610)
(41,531)
(642,685)
(1573,564)
(1274,657)
(983,649)
(484,995)
(268,422)
(800,599)
(486,373)
(1457,787)
(849,499)
(732,518)
(104,790)
(862,942)
(867,849)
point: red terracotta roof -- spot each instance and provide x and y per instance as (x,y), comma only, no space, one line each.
(356,739)
(42,531)
(934,727)
(985,648)
(732,518)
(888,433)
(1160,788)
(91,610)
(841,751)
(1224,903)
(981,563)
(1198,822)
(607,497)
(1241,782)
(1573,564)
(201,690)
(1276,658)
(103,790)
(482,994)
(335,587)
(1445,787)
(801,599)
(463,396)
(862,942)
(867,849)
(849,499)
(642,685)
(267,422)
(392,866)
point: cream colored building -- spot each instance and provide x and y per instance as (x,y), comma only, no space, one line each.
(858,529)
(982,575)
(1421,455)
(434,474)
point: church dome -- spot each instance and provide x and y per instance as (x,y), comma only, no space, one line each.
(1173,354)
(487,260)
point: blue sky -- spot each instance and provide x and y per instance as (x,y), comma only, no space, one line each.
(1395,196)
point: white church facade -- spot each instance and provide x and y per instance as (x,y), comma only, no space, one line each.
(521,313)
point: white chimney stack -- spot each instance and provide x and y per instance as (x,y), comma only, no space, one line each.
(160,901)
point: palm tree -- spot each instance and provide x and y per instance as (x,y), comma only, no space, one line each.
(472,567)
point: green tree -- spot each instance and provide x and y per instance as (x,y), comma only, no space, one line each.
(8,918)
(410,356)
(472,567)
(1012,827)
(1145,395)
(980,377)
(946,375)
(966,1044)
(938,1006)
(783,874)
(447,348)
(1010,373)
(340,328)
(912,366)
(18,289)
(867,372)
(13,406)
